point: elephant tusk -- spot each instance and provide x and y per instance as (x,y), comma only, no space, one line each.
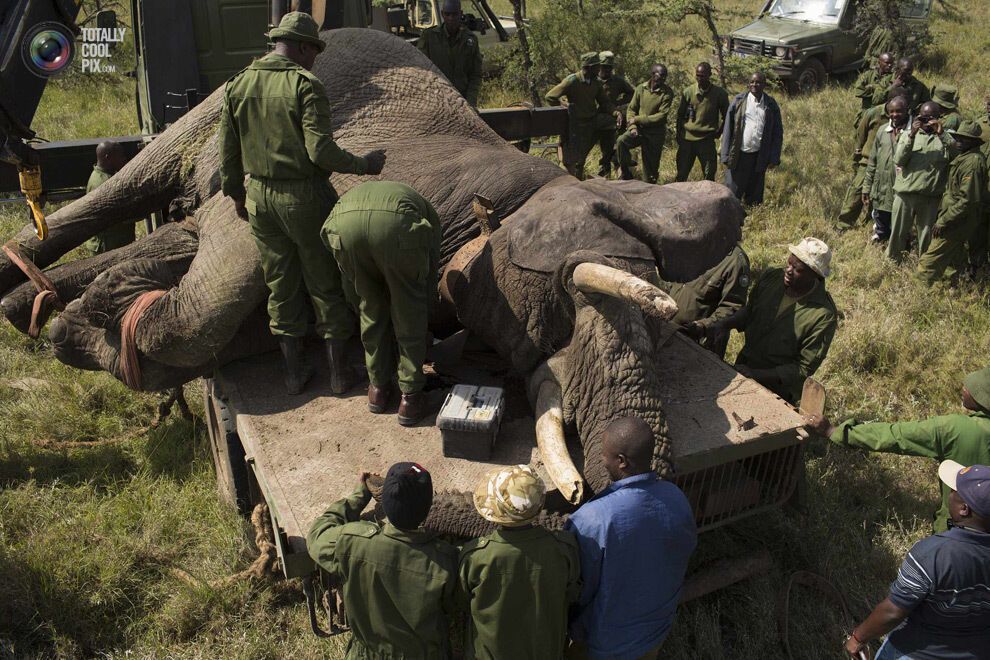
(605,280)
(553,447)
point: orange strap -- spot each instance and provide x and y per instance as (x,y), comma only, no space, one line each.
(130,367)
(47,298)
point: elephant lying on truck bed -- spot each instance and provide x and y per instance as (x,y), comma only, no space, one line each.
(553,289)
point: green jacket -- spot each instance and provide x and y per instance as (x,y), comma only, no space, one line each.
(867,125)
(458,58)
(922,164)
(517,584)
(114,237)
(399,587)
(715,295)
(276,124)
(965,191)
(793,344)
(585,99)
(651,108)
(618,90)
(878,182)
(871,88)
(961,438)
(918,93)
(700,115)
(951,120)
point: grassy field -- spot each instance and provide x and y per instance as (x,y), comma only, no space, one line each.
(90,537)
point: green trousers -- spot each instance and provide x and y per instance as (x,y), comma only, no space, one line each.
(911,212)
(580,140)
(702,150)
(651,148)
(286,217)
(391,261)
(110,239)
(852,205)
(978,241)
(606,144)
(946,255)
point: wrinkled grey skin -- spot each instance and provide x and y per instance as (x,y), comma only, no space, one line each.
(385,94)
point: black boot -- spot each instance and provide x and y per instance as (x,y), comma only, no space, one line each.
(341,375)
(297,370)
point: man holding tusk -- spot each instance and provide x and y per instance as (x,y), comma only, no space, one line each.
(627,606)
(789,321)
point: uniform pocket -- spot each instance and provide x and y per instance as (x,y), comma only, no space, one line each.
(251,206)
(332,240)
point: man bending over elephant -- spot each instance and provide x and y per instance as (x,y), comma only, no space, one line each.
(789,321)
(276,126)
(386,238)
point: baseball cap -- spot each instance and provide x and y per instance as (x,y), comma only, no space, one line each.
(407,495)
(971,483)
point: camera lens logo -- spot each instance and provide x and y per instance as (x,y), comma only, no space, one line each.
(47,49)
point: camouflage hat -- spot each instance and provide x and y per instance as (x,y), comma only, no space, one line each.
(298,26)
(590,59)
(969,129)
(978,386)
(510,496)
(947,96)
(814,253)
(606,58)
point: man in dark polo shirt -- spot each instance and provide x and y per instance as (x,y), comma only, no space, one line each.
(939,605)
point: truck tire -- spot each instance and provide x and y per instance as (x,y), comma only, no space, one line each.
(809,77)
(228,453)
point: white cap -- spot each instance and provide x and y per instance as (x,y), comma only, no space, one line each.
(814,254)
(948,471)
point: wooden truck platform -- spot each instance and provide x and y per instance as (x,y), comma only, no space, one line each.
(737,446)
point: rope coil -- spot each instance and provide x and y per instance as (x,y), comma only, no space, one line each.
(130,365)
(47,298)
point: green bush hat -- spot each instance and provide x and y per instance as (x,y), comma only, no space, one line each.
(590,59)
(946,96)
(606,58)
(969,129)
(978,386)
(298,26)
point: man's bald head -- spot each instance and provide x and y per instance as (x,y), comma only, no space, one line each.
(450,12)
(885,63)
(897,110)
(703,74)
(451,5)
(930,109)
(627,447)
(905,68)
(110,156)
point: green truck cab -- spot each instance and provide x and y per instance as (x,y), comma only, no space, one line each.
(811,39)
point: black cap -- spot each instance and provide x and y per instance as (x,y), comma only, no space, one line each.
(407,495)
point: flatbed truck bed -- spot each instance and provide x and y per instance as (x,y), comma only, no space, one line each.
(737,446)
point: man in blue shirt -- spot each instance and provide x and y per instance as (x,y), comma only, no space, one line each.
(939,605)
(634,540)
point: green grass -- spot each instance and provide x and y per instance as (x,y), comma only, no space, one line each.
(89,537)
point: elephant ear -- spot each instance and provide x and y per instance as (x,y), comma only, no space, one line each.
(563,219)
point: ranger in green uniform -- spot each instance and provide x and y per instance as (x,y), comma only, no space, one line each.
(789,321)
(978,241)
(947,97)
(880,173)
(961,211)
(607,126)
(276,126)
(398,582)
(872,85)
(700,117)
(110,157)
(716,295)
(586,99)
(918,91)
(964,438)
(517,582)
(455,51)
(386,238)
(647,119)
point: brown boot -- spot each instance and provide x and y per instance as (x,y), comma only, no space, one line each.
(378,398)
(413,407)
(342,377)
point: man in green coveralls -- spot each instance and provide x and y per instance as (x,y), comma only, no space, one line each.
(947,97)
(872,85)
(647,120)
(398,581)
(454,50)
(961,210)
(276,126)
(961,437)
(789,321)
(586,99)
(700,117)
(386,238)
(607,126)
(712,297)
(918,91)
(110,157)
(518,582)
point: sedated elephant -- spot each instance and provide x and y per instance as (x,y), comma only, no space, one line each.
(564,290)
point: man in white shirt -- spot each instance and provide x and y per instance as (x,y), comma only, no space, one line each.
(752,140)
